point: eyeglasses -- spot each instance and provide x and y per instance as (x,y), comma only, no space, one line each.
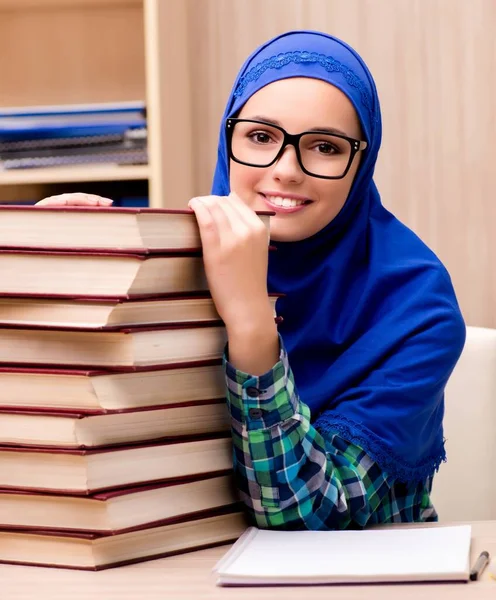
(319,153)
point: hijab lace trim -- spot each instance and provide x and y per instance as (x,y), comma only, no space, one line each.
(303,56)
(378,451)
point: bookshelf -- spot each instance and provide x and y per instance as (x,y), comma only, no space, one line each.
(84,51)
(60,175)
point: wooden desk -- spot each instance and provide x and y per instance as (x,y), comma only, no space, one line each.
(189,576)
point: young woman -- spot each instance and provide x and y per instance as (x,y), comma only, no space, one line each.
(337,413)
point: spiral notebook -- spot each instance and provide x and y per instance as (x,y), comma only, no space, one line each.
(395,554)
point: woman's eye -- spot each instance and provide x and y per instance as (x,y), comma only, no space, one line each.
(260,137)
(326,148)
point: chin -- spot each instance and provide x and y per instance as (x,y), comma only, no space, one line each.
(281,232)
(286,236)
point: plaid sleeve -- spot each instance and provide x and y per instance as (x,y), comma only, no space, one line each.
(290,477)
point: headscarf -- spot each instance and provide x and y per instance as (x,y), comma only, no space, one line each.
(371,323)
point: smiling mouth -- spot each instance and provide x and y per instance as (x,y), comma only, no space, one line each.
(284,202)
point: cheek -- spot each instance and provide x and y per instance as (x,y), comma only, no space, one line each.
(336,193)
(242,179)
(239,175)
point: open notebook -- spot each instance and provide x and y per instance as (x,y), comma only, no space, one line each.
(397,554)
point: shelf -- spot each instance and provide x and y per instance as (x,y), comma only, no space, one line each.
(97,51)
(51,4)
(72,174)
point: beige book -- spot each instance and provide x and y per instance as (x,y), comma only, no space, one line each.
(115,511)
(102,390)
(94,552)
(114,229)
(128,348)
(109,313)
(66,470)
(99,275)
(80,430)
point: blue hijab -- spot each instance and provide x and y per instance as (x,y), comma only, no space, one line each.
(371,322)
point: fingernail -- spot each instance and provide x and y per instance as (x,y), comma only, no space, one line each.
(107,201)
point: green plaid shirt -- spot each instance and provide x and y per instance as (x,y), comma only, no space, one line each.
(290,477)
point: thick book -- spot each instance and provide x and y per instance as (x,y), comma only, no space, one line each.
(93,552)
(118,349)
(95,390)
(110,229)
(99,274)
(118,511)
(81,472)
(64,429)
(107,313)
(403,553)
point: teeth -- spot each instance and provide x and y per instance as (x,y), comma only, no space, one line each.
(285,202)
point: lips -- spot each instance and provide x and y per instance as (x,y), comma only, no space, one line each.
(285,202)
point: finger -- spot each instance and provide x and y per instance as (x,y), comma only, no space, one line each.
(77,199)
(53,201)
(209,232)
(247,214)
(219,211)
(228,220)
(99,200)
(238,222)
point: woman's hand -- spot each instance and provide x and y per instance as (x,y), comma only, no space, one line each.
(235,255)
(76,199)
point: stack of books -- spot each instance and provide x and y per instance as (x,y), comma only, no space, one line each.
(114,435)
(47,136)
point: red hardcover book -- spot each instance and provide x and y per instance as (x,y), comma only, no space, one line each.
(84,471)
(115,512)
(97,390)
(94,552)
(64,429)
(136,230)
(123,349)
(107,313)
(91,274)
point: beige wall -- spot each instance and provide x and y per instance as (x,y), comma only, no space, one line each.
(435,66)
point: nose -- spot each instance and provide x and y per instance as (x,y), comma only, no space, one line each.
(287,169)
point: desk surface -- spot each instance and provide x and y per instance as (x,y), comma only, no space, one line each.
(189,576)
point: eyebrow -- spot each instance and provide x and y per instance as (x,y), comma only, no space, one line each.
(278,124)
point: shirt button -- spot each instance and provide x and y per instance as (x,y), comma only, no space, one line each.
(255,413)
(253,392)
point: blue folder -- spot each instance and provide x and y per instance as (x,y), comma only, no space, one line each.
(70,121)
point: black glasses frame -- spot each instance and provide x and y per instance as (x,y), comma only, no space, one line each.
(291,139)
